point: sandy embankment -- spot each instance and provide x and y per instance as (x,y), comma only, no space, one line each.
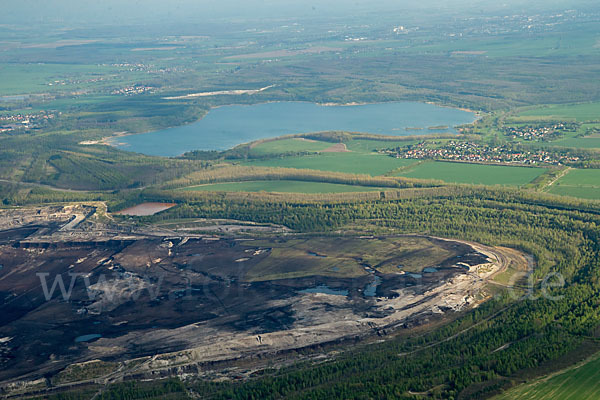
(219,93)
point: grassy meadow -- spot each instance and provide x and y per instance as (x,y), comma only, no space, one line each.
(583,183)
(283,146)
(282,186)
(353,163)
(579,383)
(479,174)
(563,112)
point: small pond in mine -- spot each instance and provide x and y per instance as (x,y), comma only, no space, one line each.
(87,338)
(325,290)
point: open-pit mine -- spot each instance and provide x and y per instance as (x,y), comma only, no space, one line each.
(86,299)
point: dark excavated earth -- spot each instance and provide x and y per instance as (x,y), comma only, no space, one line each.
(119,287)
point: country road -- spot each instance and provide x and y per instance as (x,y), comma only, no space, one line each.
(553,181)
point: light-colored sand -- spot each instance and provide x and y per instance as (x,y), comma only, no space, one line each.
(336,148)
(146,209)
(218,93)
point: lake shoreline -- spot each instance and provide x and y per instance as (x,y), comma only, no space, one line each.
(112,140)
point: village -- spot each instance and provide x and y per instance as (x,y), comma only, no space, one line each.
(133,90)
(24,122)
(540,132)
(475,152)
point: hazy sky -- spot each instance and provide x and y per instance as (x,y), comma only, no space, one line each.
(139,11)
(85,12)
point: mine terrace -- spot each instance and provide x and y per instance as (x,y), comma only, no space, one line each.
(173,300)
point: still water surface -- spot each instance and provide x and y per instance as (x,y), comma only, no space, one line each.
(225,127)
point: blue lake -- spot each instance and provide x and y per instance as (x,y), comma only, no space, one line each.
(225,127)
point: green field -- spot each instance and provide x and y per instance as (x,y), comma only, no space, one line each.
(42,78)
(573,43)
(368,146)
(474,173)
(574,112)
(578,142)
(352,163)
(283,186)
(289,145)
(300,144)
(580,383)
(584,183)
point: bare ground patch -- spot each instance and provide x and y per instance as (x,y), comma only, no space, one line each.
(59,43)
(285,53)
(337,148)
